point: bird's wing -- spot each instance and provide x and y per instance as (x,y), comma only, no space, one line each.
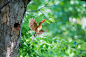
(33,25)
(40,32)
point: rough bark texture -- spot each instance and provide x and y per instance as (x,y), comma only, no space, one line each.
(11,17)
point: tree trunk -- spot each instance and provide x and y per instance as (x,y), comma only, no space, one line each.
(11,17)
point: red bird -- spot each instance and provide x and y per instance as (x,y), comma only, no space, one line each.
(38,28)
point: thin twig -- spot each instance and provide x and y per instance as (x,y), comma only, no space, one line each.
(43,14)
(38,9)
(5,4)
(33,10)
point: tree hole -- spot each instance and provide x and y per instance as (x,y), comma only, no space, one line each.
(16,26)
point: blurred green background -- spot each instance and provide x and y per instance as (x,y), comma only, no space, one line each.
(66,29)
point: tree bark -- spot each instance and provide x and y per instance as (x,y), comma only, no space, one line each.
(11,17)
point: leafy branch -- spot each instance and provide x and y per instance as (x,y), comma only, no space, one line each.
(42,12)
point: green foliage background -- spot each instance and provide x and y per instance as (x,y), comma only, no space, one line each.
(66,32)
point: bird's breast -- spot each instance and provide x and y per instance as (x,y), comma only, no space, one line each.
(39,28)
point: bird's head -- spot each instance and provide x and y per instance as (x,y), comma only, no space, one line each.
(41,22)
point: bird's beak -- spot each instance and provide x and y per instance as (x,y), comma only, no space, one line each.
(43,20)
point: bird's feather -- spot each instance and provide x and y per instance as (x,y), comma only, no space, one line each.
(33,25)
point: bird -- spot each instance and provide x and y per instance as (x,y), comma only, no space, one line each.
(37,28)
